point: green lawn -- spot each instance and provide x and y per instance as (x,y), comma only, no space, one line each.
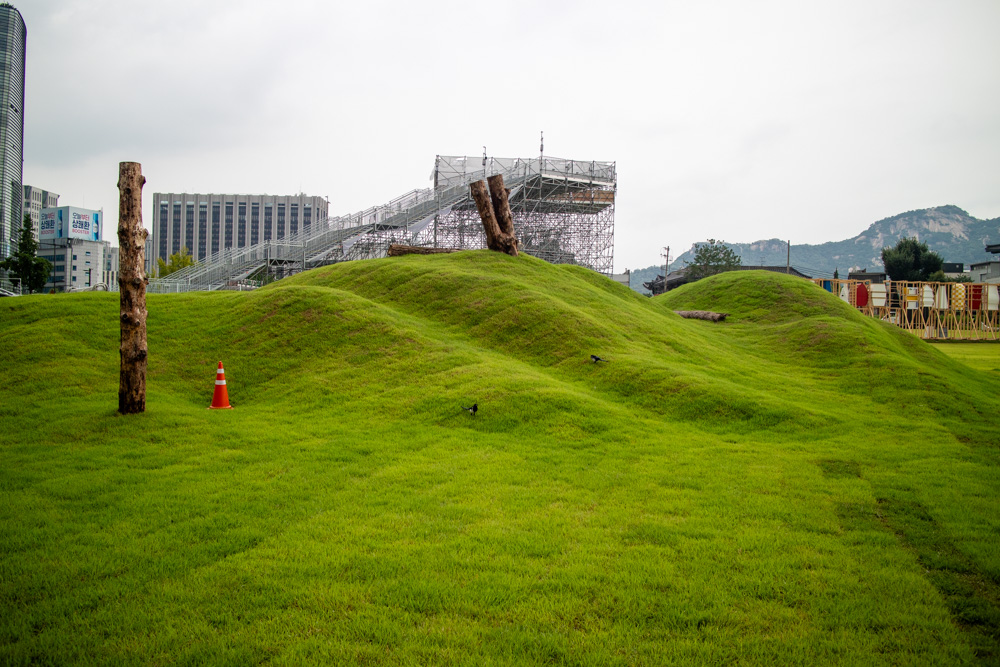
(981,356)
(797,485)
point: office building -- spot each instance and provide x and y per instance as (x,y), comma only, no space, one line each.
(70,238)
(35,199)
(13,48)
(208,223)
(78,264)
(109,276)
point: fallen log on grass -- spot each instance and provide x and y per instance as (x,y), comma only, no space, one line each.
(397,249)
(702,315)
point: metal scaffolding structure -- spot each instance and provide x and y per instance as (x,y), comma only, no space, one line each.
(563,213)
(563,209)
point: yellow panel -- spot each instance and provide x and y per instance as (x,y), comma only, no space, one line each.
(958,296)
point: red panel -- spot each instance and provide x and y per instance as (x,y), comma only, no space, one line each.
(861,298)
(975,297)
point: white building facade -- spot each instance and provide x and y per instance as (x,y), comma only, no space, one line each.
(35,199)
(208,223)
(109,276)
(78,264)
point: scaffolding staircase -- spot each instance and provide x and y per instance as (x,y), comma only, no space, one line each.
(368,234)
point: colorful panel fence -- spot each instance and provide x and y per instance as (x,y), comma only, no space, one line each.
(933,311)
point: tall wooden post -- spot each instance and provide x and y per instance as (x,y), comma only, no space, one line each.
(132,289)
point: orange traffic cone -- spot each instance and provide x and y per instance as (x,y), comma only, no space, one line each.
(220,401)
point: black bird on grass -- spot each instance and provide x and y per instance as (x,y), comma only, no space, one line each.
(597,358)
(473,410)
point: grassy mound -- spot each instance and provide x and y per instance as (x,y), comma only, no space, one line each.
(757,296)
(796,485)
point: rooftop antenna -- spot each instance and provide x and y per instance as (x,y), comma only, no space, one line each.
(541,145)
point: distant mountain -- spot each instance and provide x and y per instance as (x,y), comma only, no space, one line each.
(947,230)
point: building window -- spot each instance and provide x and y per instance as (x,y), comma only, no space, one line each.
(242,224)
(161,240)
(281,221)
(202,231)
(227,240)
(267,222)
(176,230)
(215,226)
(306,217)
(254,224)
(189,228)
(293,221)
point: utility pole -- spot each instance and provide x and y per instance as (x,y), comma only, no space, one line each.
(666,266)
(788,257)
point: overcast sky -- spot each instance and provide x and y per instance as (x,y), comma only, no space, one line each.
(736,120)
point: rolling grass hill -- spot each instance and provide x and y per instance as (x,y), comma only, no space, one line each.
(798,485)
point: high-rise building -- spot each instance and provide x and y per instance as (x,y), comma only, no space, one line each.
(13,49)
(35,199)
(206,224)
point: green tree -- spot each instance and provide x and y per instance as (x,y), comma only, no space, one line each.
(177,262)
(712,257)
(940,277)
(910,260)
(23,265)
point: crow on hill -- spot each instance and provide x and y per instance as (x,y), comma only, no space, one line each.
(473,410)
(597,358)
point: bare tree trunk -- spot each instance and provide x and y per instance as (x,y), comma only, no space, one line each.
(482,198)
(496,238)
(132,288)
(501,206)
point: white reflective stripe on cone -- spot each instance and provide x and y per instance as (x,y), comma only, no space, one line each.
(220,382)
